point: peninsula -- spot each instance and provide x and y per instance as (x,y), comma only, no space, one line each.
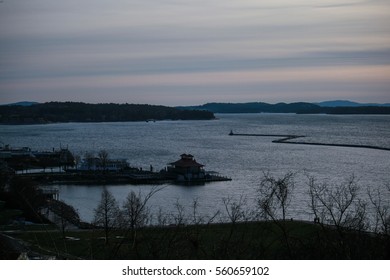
(60,112)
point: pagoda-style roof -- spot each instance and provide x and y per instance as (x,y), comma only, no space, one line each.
(187,160)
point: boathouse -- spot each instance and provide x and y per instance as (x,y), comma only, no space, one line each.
(187,169)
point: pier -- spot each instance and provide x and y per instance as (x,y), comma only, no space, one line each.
(100,178)
(285,139)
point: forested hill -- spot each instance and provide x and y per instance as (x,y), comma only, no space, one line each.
(54,112)
(256,107)
(298,108)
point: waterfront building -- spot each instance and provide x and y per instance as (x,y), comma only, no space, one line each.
(187,169)
(98,164)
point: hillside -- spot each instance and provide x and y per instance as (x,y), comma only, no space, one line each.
(54,112)
(298,108)
(261,240)
(22,103)
(347,103)
(256,107)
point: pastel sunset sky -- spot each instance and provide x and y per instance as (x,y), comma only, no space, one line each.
(189,52)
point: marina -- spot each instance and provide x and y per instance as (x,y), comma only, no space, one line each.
(24,158)
(104,171)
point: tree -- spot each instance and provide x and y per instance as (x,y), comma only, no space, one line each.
(89,158)
(275,195)
(135,211)
(64,215)
(235,209)
(134,215)
(107,213)
(179,218)
(25,195)
(381,209)
(338,205)
(103,157)
(342,217)
(77,160)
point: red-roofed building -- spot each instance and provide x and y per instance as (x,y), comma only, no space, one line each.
(186,168)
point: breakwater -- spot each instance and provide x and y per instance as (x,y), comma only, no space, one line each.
(286,139)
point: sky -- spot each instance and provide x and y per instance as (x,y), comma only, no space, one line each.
(190,52)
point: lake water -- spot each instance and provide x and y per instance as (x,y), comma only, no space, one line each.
(244,159)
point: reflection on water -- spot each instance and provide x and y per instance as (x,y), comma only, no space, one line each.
(244,159)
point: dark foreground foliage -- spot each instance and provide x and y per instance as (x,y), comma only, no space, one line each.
(252,240)
(339,231)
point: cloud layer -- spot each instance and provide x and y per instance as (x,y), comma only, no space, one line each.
(191,52)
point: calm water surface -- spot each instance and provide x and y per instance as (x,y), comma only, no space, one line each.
(244,159)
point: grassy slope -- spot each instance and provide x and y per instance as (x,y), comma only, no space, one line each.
(256,240)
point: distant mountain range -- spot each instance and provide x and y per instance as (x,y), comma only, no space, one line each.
(254,107)
(327,107)
(346,103)
(22,103)
(34,112)
(332,103)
